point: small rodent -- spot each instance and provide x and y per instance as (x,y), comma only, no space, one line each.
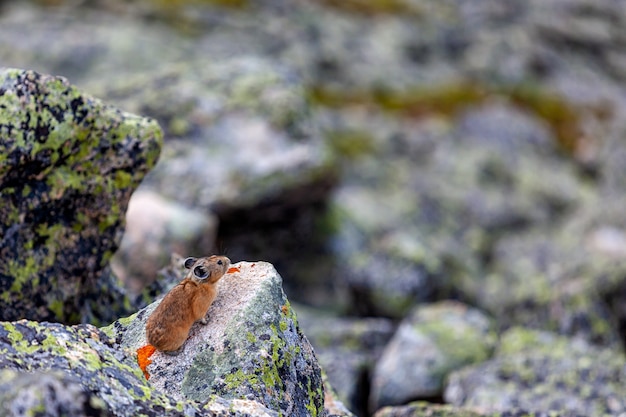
(168,326)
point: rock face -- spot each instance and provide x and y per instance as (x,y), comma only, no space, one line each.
(250,360)
(251,348)
(49,392)
(81,359)
(430,343)
(68,165)
(423,409)
(541,371)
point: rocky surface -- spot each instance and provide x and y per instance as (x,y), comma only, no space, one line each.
(423,409)
(251,348)
(250,360)
(541,371)
(431,342)
(84,361)
(68,165)
(475,149)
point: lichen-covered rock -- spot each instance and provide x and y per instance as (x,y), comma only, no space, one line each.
(429,344)
(423,409)
(46,393)
(251,348)
(347,349)
(426,235)
(553,282)
(250,360)
(79,361)
(68,165)
(155,229)
(543,372)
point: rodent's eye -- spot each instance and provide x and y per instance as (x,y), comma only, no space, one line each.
(200,272)
(219,262)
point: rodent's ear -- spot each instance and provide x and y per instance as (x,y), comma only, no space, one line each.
(189,262)
(200,272)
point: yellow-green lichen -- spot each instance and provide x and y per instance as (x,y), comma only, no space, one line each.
(563,117)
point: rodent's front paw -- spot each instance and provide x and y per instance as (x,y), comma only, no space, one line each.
(204,320)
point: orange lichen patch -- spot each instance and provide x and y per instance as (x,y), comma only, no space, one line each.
(143,358)
(232,270)
(284,309)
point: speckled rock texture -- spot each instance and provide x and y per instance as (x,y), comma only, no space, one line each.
(68,165)
(423,409)
(541,371)
(79,361)
(250,360)
(77,371)
(251,348)
(430,343)
(46,393)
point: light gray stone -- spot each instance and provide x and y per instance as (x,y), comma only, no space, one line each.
(433,341)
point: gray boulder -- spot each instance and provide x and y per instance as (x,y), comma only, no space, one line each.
(433,341)
(251,348)
(68,165)
(543,372)
(250,360)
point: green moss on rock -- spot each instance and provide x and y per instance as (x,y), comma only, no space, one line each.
(69,166)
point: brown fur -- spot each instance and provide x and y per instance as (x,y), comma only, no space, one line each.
(168,326)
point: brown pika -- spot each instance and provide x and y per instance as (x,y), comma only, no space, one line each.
(168,326)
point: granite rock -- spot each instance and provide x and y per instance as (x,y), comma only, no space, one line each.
(251,348)
(250,360)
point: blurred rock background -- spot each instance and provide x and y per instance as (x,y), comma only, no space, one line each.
(387,156)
